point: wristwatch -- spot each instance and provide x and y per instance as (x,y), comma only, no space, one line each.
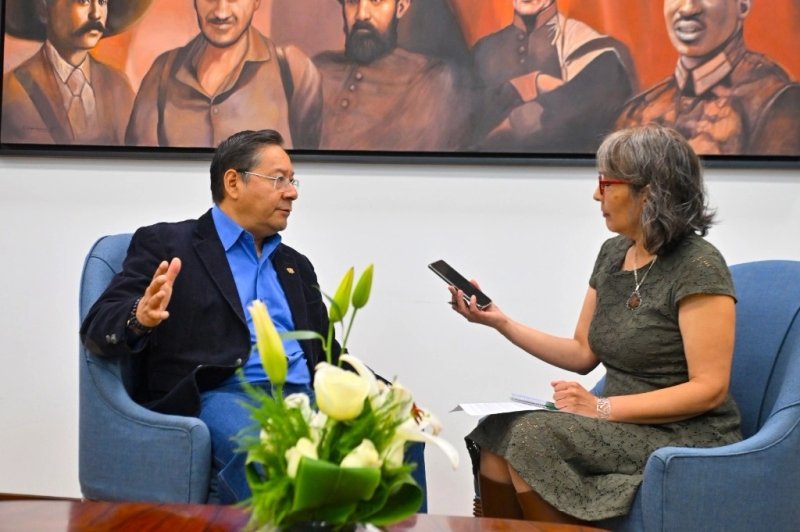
(133,323)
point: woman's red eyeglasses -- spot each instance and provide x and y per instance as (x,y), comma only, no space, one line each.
(602,183)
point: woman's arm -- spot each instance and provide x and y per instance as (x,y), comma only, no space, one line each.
(707,324)
(572,354)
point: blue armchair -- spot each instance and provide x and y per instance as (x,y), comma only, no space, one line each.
(753,484)
(127,452)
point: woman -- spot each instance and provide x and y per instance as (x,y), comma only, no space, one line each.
(658,314)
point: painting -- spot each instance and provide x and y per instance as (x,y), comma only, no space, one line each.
(402,80)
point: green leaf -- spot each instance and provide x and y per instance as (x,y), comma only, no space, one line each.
(302,335)
(320,484)
(403,497)
(363,288)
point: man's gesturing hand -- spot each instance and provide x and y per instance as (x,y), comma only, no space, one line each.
(152,308)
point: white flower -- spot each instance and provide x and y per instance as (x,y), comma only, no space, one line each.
(363,371)
(365,455)
(394,452)
(410,430)
(301,402)
(413,429)
(303,447)
(340,394)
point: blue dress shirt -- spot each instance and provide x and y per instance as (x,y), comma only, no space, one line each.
(256,278)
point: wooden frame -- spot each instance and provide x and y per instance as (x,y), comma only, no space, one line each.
(422,111)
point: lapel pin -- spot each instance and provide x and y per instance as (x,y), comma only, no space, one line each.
(290,270)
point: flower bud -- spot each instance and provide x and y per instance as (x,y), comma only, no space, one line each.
(303,447)
(341,300)
(269,343)
(340,394)
(363,288)
(365,455)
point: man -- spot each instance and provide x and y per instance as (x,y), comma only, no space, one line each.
(551,84)
(62,95)
(228,78)
(722,97)
(381,97)
(188,320)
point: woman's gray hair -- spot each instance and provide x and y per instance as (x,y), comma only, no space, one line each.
(659,162)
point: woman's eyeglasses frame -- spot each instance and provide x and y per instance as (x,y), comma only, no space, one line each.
(602,183)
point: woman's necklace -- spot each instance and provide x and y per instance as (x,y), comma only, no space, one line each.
(636,298)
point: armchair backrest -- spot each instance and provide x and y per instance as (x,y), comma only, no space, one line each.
(125,451)
(102,263)
(766,362)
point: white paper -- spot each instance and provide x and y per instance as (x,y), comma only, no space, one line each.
(485,409)
(519,403)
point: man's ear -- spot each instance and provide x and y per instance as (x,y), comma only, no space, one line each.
(232,184)
(744,8)
(402,7)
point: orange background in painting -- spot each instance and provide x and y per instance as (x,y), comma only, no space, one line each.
(773,27)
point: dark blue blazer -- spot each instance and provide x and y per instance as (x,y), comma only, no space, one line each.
(205,337)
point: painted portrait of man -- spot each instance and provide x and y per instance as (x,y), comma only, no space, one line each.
(723,97)
(551,83)
(228,78)
(379,96)
(62,95)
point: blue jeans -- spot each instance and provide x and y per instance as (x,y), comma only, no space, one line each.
(222,411)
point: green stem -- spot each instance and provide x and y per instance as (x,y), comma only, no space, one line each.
(347,331)
(329,344)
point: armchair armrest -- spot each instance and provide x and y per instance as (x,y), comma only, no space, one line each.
(127,452)
(732,487)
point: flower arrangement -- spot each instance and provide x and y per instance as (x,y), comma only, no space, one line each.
(340,461)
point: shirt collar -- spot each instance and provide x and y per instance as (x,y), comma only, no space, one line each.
(62,68)
(545,16)
(230,232)
(706,75)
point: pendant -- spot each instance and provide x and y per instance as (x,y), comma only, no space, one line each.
(634,301)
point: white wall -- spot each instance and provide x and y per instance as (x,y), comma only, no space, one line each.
(528,234)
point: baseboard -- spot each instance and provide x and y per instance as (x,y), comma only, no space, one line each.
(22,497)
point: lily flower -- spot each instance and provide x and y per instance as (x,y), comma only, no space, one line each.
(363,288)
(365,455)
(364,372)
(340,394)
(269,343)
(340,303)
(300,401)
(303,448)
(410,430)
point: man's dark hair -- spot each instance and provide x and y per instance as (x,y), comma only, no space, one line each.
(239,152)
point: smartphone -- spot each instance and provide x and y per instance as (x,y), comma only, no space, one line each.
(452,277)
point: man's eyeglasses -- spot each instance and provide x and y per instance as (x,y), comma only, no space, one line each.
(279,182)
(602,183)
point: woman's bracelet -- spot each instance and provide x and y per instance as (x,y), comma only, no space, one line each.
(603,408)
